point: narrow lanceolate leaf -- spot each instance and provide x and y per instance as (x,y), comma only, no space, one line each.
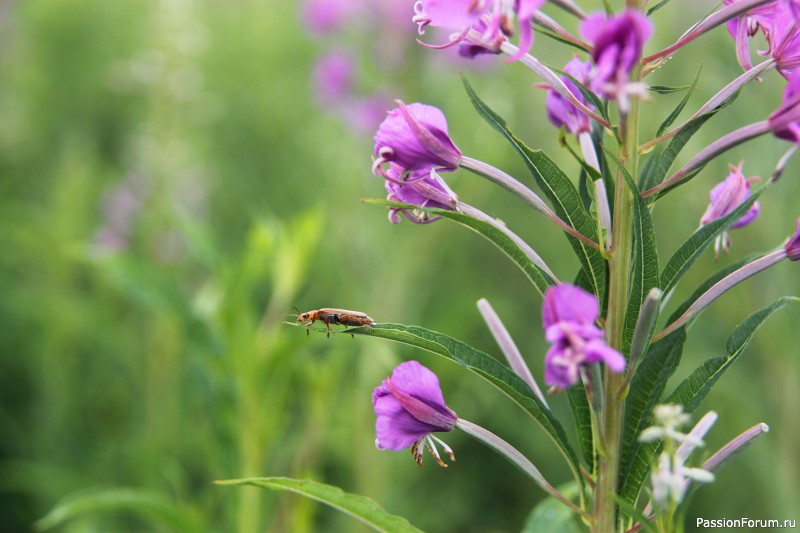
(559,190)
(488,368)
(540,279)
(154,508)
(701,239)
(666,89)
(692,390)
(648,383)
(581,414)
(658,171)
(360,507)
(644,275)
(677,111)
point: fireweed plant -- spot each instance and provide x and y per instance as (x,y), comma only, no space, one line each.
(612,350)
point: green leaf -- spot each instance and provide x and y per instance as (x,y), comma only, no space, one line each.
(644,275)
(689,251)
(540,279)
(656,7)
(552,515)
(665,89)
(658,171)
(582,415)
(692,390)
(559,189)
(153,507)
(485,366)
(677,111)
(657,366)
(359,507)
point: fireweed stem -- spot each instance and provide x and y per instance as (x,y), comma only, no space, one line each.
(723,286)
(510,184)
(605,509)
(516,458)
(710,22)
(711,151)
(553,80)
(525,247)
(714,102)
(508,347)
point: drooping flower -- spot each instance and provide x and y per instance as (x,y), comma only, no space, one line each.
(423,188)
(410,408)
(568,316)
(617,48)
(561,112)
(727,196)
(479,24)
(792,246)
(778,22)
(785,121)
(415,137)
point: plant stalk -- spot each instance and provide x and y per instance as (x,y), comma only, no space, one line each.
(605,510)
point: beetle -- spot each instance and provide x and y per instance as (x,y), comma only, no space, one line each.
(330,316)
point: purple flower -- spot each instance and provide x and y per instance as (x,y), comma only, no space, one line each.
(785,121)
(778,22)
(423,188)
(792,246)
(561,112)
(617,47)
(415,137)
(479,24)
(333,78)
(568,316)
(409,408)
(747,25)
(728,195)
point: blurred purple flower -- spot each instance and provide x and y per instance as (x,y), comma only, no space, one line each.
(785,121)
(409,408)
(778,22)
(120,206)
(364,115)
(415,137)
(333,76)
(560,111)
(617,47)
(568,316)
(327,16)
(424,188)
(792,246)
(728,195)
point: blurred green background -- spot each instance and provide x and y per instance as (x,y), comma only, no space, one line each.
(170,188)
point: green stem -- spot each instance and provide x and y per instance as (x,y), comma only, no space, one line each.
(605,510)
